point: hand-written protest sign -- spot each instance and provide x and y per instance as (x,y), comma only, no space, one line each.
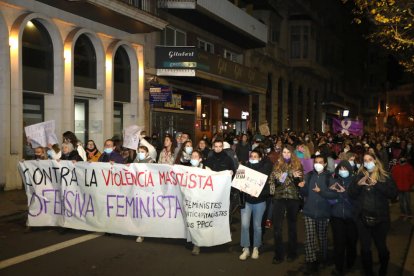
(264,129)
(249,181)
(131,137)
(42,134)
(139,199)
(207,213)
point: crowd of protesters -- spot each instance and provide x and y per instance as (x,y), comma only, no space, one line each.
(349,188)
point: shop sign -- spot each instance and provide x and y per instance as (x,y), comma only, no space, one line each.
(175,57)
(175,102)
(160,94)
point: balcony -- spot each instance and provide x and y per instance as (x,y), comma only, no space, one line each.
(221,18)
(132,16)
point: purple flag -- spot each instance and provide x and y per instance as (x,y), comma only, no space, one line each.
(346,126)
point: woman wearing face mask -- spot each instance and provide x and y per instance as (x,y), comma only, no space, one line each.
(54,152)
(344,229)
(92,151)
(196,162)
(302,151)
(254,206)
(197,159)
(184,154)
(317,212)
(143,155)
(372,189)
(283,183)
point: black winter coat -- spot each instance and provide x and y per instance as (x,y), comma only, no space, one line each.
(73,155)
(263,168)
(220,162)
(373,200)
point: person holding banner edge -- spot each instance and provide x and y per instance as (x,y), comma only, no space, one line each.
(109,154)
(254,206)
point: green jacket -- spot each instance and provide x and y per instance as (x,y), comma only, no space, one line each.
(283,185)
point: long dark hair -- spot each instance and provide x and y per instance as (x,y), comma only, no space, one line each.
(69,135)
(180,152)
(172,143)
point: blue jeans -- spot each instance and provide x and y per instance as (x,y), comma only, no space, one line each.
(258,210)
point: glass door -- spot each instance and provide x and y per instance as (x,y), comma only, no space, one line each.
(82,120)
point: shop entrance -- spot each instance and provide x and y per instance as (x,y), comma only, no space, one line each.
(170,123)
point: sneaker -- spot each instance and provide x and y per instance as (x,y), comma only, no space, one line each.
(245,254)
(255,254)
(196,250)
(268,224)
(140,239)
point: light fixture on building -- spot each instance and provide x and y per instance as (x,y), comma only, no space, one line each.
(203,115)
(30,24)
(13,42)
(345,113)
(225,112)
(244,115)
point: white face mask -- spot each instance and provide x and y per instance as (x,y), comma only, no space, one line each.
(194,162)
(141,155)
(318,167)
(352,163)
(188,150)
(369,165)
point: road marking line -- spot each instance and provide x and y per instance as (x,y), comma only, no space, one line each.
(47,250)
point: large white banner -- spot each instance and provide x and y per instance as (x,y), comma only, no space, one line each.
(249,181)
(148,200)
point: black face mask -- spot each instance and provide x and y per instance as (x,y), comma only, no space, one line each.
(403,161)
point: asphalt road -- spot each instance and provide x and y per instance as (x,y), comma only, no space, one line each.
(104,254)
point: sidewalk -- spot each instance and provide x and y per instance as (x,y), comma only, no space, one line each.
(13,205)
